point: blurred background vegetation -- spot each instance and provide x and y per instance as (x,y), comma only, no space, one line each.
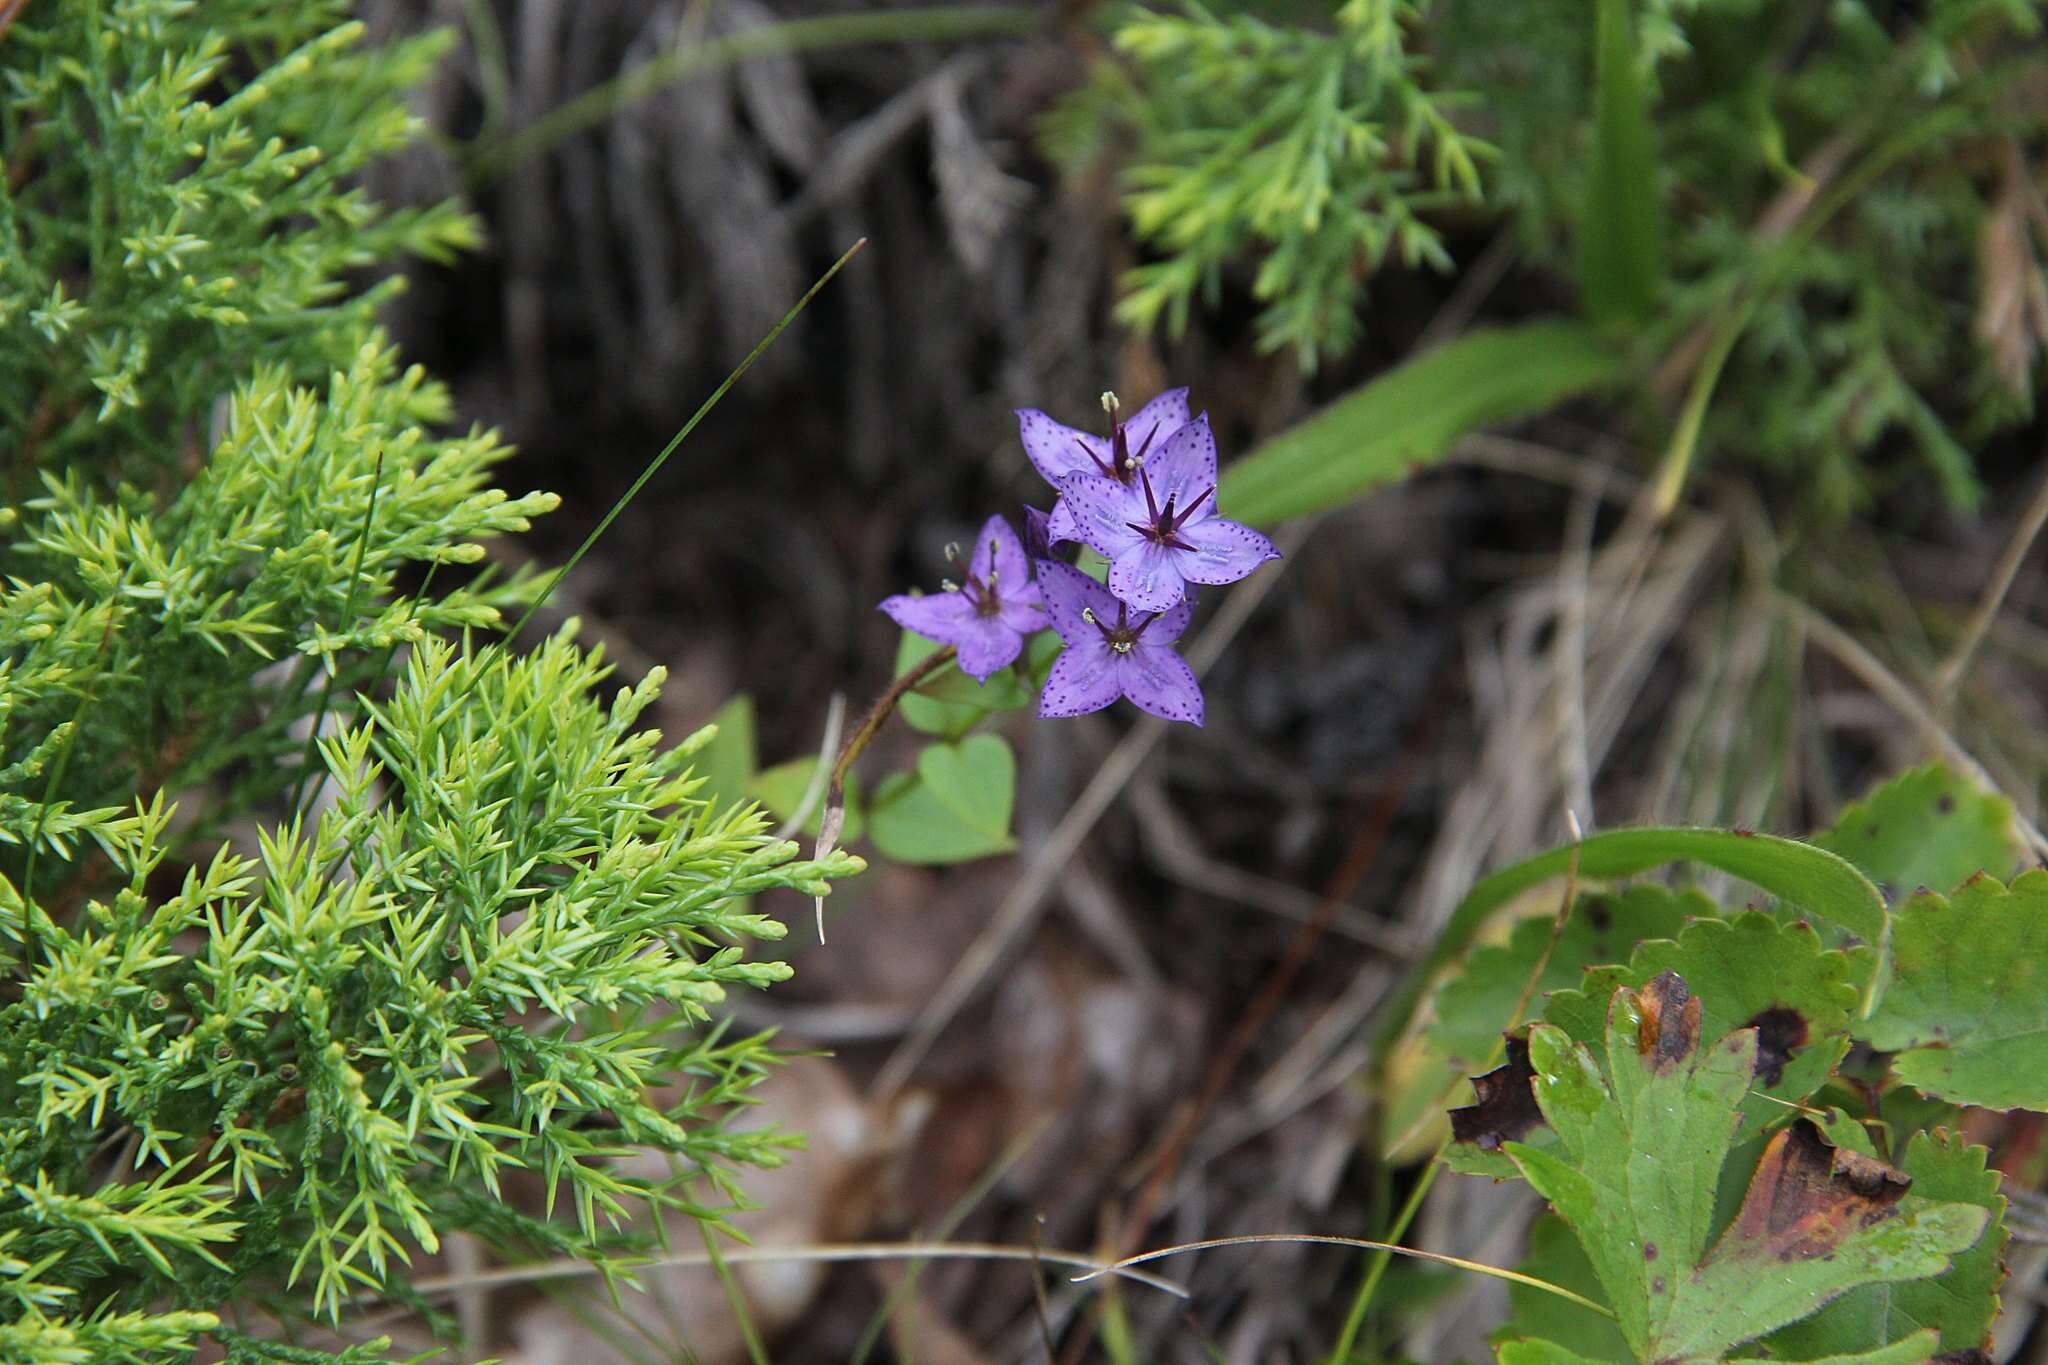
(1719,324)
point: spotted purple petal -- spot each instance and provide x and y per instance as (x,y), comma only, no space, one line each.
(999,558)
(1184,468)
(1060,527)
(1221,551)
(1099,512)
(1158,680)
(1056,449)
(1081,680)
(986,644)
(1146,576)
(1173,623)
(1157,420)
(936,616)
(1069,592)
(1024,610)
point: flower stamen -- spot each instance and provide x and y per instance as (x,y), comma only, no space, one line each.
(1162,526)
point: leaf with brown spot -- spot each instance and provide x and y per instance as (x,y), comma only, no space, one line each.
(1780,1032)
(1928,827)
(1668,1025)
(1807,1197)
(1642,1138)
(1504,1107)
(1959,1305)
(1818,1220)
(1474,1004)
(1747,972)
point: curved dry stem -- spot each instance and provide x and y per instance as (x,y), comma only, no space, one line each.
(1457,1262)
(568,1268)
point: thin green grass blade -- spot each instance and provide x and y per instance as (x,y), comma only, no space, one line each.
(736,1299)
(654,465)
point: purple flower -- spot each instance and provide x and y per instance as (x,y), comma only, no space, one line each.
(1160,531)
(987,617)
(1059,450)
(1104,661)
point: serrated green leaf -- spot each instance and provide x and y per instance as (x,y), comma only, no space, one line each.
(1641,1142)
(1746,1282)
(1621,230)
(1748,972)
(1926,828)
(1473,1006)
(1642,1137)
(1967,1010)
(1411,416)
(1956,1309)
(956,807)
(781,789)
(1817,882)
(950,703)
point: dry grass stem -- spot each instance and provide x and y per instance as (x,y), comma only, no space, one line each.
(1894,692)
(450,1286)
(1950,674)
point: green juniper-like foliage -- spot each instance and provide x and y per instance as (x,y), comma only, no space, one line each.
(1844,186)
(253,1060)
(1251,132)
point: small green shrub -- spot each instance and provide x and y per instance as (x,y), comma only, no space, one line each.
(279,1014)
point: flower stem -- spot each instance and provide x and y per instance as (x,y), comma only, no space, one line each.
(833,815)
(877,715)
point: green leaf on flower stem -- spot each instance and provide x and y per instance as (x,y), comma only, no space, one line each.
(1040,652)
(1412,415)
(1814,881)
(955,807)
(1747,972)
(782,788)
(1958,1307)
(1967,1010)
(1643,1132)
(950,703)
(1928,827)
(1473,1006)
(727,762)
